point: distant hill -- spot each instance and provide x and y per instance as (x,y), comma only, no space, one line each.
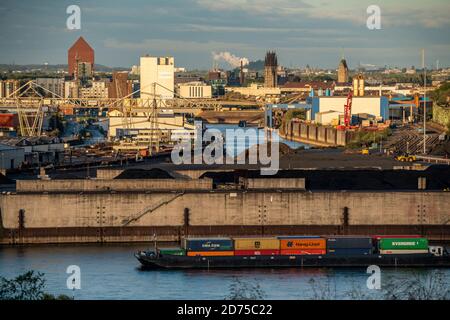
(53,67)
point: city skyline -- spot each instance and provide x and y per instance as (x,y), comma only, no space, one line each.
(301,32)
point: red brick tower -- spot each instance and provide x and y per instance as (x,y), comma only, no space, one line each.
(80,51)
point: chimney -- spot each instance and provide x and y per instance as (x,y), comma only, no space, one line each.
(242,74)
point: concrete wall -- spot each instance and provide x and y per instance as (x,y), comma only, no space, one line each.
(113,185)
(273,183)
(316,135)
(237,208)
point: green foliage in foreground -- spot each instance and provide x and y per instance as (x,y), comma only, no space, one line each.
(27,286)
(366,138)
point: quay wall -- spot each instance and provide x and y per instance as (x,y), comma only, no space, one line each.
(314,134)
(55,217)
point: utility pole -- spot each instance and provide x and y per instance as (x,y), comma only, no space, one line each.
(424,103)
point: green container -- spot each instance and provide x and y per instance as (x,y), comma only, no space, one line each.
(403,244)
(172,251)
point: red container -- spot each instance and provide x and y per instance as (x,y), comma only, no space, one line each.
(378,237)
(303,252)
(257,252)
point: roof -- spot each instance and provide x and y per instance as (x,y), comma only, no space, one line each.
(81,43)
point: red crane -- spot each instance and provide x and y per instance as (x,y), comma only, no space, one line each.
(348,110)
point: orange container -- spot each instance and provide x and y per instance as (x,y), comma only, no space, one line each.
(303,252)
(210,253)
(303,244)
(256,252)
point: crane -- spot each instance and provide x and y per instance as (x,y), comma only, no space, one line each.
(348,110)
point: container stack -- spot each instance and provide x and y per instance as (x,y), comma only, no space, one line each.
(209,247)
(302,245)
(256,246)
(349,246)
(403,245)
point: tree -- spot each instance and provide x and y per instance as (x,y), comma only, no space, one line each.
(27,286)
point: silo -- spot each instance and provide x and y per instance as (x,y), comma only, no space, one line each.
(361,85)
(355,86)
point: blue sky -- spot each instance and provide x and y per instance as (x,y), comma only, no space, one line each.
(313,32)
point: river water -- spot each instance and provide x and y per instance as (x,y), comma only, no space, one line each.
(112,272)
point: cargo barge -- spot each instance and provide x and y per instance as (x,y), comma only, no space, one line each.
(297,251)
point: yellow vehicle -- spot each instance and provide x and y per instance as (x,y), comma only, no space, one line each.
(406,158)
(365,151)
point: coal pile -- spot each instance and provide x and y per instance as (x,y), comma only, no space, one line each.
(438,178)
(5,180)
(154,173)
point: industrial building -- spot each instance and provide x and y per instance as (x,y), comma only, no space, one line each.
(194,90)
(157,77)
(80,52)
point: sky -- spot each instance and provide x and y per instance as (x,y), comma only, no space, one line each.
(302,32)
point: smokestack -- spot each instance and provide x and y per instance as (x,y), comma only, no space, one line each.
(242,73)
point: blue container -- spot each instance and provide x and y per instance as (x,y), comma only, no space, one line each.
(350,252)
(349,243)
(209,244)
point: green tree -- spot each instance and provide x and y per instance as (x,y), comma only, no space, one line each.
(27,286)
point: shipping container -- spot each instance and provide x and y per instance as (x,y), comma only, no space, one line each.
(172,251)
(303,252)
(403,251)
(210,253)
(257,252)
(349,243)
(303,243)
(350,251)
(256,244)
(208,244)
(403,244)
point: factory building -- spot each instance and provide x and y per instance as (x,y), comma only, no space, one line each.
(194,90)
(375,106)
(270,70)
(343,72)
(139,123)
(157,77)
(80,52)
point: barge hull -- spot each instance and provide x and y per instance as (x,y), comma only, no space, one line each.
(183,262)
